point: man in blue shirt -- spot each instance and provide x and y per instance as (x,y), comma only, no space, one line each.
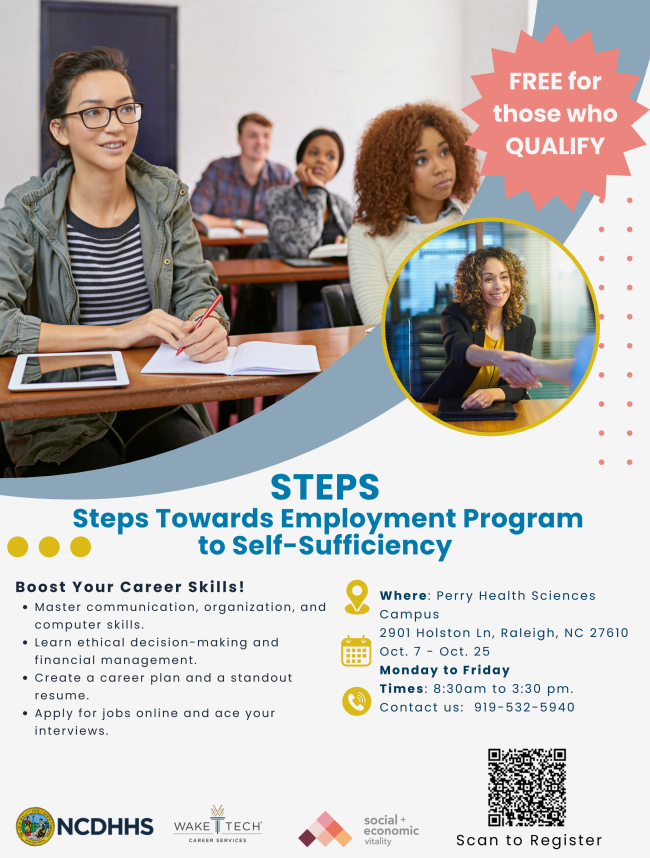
(231,191)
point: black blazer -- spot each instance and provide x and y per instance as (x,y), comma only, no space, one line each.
(457,336)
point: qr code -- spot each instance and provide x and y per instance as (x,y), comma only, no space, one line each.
(527,787)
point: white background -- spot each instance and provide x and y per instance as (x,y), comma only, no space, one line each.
(303,66)
(312,756)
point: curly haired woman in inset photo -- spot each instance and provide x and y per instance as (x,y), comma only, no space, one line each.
(484,328)
(414,175)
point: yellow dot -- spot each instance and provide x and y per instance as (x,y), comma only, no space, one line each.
(48,546)
(80,546)
(17,546)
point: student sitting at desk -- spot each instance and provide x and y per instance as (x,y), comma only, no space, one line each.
(414,175)
(106,242)
(483,327)
(232,190)
(307,215)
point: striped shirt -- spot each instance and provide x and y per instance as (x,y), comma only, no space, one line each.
(108,271)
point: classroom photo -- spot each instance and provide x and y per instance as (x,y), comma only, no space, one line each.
(491,327)
(181,248)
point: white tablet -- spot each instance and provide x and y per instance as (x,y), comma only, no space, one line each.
(68,370)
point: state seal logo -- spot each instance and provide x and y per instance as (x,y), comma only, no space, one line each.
(35,826)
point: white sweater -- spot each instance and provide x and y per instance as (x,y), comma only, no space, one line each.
(374,261)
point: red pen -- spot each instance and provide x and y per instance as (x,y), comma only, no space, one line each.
(213,307)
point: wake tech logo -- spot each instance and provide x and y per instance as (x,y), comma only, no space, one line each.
(218,829)
(218,817)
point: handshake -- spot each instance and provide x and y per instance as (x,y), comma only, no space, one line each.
(518,370)
(521,370)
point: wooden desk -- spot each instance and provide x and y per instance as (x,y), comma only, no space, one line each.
(247,240)
(237,247)
(273,271)
(153,391)
(529,411)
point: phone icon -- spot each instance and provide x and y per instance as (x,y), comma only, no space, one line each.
(359,706)
(356,701)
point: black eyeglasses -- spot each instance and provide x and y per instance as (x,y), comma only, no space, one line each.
(99,117)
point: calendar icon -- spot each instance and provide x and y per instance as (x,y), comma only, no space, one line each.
(355,652)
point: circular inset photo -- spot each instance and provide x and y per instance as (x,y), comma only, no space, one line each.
(490,326)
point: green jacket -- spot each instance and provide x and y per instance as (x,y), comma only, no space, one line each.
(34,256)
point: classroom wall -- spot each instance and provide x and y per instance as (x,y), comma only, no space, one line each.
(302,66)
(19,98)
(489,25)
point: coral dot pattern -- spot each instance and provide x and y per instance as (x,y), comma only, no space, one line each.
(614,235)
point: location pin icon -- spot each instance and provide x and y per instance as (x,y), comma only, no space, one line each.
(357,606)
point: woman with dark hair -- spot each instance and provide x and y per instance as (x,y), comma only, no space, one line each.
(103,244)
(484,331)
(307,215)
(414,175)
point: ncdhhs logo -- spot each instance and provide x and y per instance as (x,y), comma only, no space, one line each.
(35,826)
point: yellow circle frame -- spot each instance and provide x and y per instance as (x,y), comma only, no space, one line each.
(418,405)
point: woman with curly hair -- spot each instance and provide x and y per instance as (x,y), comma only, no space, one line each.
(414,175)
(484,330)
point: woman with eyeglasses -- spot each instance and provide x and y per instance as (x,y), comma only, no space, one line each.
(103,244)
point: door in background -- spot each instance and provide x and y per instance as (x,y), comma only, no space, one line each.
(148,37)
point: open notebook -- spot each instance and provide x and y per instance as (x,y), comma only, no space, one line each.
(325,251)
(230,231)
(252,358)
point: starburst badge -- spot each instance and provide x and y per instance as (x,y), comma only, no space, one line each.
(555,118)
